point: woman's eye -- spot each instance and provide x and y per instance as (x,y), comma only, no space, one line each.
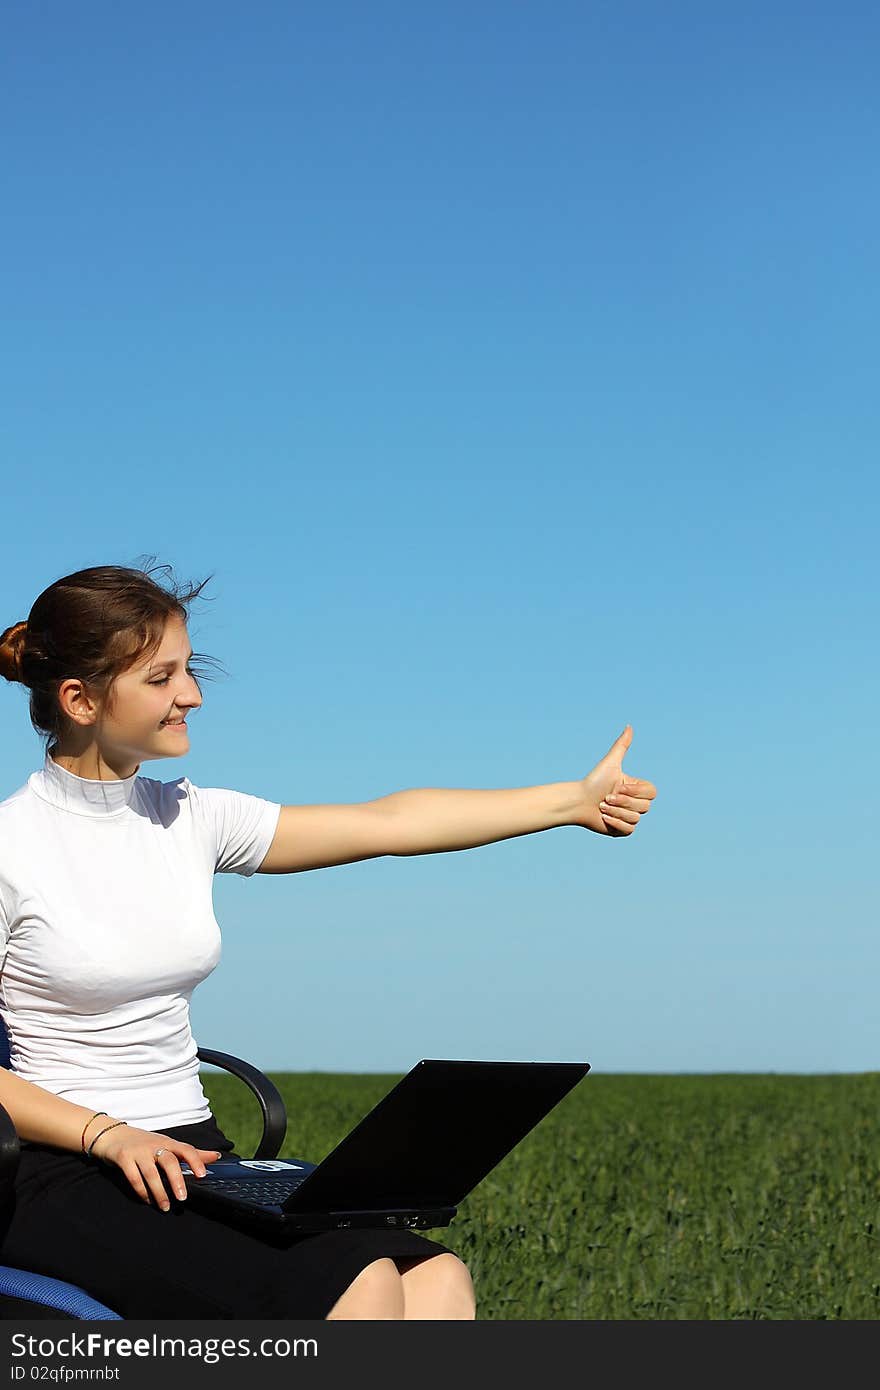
(166,679)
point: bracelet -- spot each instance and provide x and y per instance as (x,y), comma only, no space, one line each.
(104,1131)
(82,1138)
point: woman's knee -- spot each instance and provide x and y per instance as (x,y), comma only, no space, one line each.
(376,1292)
(443,1279)
(457,1278)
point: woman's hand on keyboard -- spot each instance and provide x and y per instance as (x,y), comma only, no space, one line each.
(134,1151)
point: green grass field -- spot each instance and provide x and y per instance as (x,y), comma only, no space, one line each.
(649,1196)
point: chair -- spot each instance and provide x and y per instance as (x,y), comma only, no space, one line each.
(26,1295)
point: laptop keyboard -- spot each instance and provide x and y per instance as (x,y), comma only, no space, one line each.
(266,1191)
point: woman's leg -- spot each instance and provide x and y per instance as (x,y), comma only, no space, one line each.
(437,1286)
(376,1293)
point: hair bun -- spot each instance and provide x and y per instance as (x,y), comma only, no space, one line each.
(11,647)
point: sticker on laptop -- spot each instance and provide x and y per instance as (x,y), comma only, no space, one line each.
(267,1165)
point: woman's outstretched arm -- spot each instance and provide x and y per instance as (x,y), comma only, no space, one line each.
(432,820)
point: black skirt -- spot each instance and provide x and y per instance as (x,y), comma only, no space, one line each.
(80,1220)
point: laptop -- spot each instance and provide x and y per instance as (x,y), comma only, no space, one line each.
(409,1163)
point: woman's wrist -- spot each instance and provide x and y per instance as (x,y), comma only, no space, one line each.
(111,1125)
(87,1124)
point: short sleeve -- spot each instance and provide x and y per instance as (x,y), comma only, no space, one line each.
(242,827)
(4,930)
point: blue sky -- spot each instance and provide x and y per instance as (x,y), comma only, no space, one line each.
(513,371)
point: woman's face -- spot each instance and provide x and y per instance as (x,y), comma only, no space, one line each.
(146,696)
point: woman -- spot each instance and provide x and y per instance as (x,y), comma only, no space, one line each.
(107,926)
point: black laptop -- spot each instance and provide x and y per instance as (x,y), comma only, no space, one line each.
(409,1162)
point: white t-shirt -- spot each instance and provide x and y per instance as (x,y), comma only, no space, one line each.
(106,927)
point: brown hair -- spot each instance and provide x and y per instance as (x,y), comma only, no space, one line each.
(90,626)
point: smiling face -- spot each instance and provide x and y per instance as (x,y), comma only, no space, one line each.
(156,694)
(130,727)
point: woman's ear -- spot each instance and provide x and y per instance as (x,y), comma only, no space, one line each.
(77,704)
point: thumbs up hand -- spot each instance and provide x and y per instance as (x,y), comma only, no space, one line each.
(613,803)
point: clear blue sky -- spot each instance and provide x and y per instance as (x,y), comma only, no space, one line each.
(514,370)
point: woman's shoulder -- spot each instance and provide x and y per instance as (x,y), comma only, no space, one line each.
(20,829)
(16,805)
